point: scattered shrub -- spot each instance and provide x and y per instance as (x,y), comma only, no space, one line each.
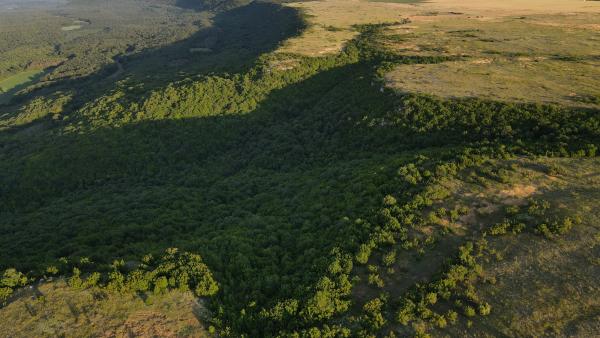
(485,309)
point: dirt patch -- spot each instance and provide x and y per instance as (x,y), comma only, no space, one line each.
(518,191)
(482,61)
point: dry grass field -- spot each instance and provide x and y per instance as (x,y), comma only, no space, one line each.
(57,310)
(540,286)
(523,51)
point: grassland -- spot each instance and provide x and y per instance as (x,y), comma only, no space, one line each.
(538,58)
(53,309)
(519,52)
(10,85)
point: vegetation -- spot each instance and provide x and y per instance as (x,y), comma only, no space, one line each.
(55,309)
(294,186)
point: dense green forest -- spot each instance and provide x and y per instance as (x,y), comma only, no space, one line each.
(284,180)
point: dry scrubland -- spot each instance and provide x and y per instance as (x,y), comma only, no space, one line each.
(536,286)
(525,51)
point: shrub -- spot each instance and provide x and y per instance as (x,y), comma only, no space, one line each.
(431,298)
(364,252)
(390,258)
(52,270)
(485,309)
(454,215)
(12,278)
(373,313)
(410,173)
(440,322)
(452,316)
(75,280)
(374,279)
(160,285)
(389,200)
(512,210)
(92,280)
(591,150)
(406,314)
(537,207)
(500,228)
(517,228)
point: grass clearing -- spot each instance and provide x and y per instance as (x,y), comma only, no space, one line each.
(12,84)
(547,59)
(54,309)
(504,79)
(332,24)
(343,15)
(16,80)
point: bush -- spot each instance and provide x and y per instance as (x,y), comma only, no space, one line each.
(364,252)
(160,285)
(390,258)
(406,314)
(431,298)
(374,279)
(410,174)
(452,316)
(11,279)
(373,313)
(52,270)
(389,200)
(485,309)
(440,322)
(512,210)
(500,228)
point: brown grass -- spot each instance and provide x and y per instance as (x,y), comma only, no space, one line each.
(53,309)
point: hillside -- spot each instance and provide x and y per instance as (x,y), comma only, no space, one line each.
(325,169)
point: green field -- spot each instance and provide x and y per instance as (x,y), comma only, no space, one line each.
(12,84)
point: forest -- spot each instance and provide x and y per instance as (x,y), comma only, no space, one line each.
(285,182)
